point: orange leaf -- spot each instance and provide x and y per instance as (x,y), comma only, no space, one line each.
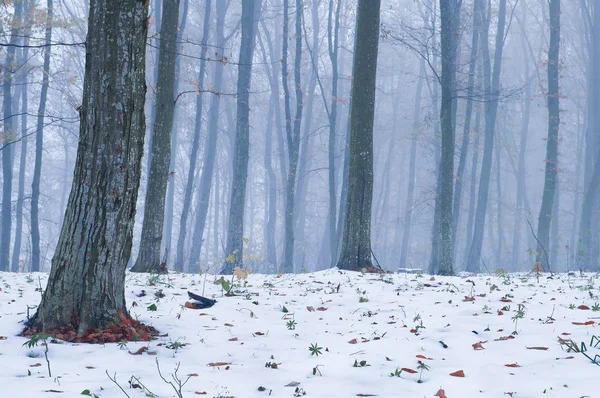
(353,341)
(310,308)
(408,370)
(513,365)
(506,300)
(35,365)
(233,339)
(441,393)
(228,324)
(193,375)
(140,351)
(467,298)
(200,392)
(478,346)
(583,307)
(424,357)
(584,323)
(458,373)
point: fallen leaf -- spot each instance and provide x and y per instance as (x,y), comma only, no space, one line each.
(228,324)
(583,307)
(353,341)
(408,370)
(506,300)
(478,346)
(215,364)
(3,337)
(458,373)
(35,365)
(513,365)
(259,333)
(322,309)
(503,338)
(90,367)
(584,323)
(200,392)
(537,348)
(467,298)
(233,339)
(310,308)
(441,393)
(424,357)
(366,395)
(140,351)
(58,391)
(292,384)
(193,375)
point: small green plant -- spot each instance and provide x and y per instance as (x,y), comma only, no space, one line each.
(571,306)
(152,307)
(360,364)
(271,365)
(520,314)
(486,308)
(504,275)
(33,342)
(175,345)
(29,279)
(422,366)
(122,345)
(291,324)
(493,287)
(89,394)
(284,310)
(315,350)
(396,373)
(363,299)
(596,307)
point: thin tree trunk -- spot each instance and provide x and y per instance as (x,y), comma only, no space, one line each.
(23,80)
(406,238)
(271,191)
(86,287)
(157,26)
(210,150)
(472,189)
(39,144)
(551,171)
(189,188)
(492,94)
(293,136)
(235,230)
(356,244)
(149,255)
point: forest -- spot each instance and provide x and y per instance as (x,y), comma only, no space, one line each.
(291,151)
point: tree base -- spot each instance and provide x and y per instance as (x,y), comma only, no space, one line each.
(127,330)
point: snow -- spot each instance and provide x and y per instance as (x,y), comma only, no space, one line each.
(451,310)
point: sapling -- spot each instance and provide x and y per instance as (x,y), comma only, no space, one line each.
(519,315)
(422,366)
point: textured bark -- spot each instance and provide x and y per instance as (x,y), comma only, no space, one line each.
(551,170)
(149,255)
(356,243)
(189,187)
(22,79)
(210,150)
(87,279)
(235,229)
(271,191)
(293,135)
(150,131)
(492,93)
(472,189)
(39,144)
(406,237)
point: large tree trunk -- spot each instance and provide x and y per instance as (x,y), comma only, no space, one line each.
(8,136)
(550,175)
(22,79)
(492,94)
(189,187)
(356,243)
(87,279)
(235,230)
(406,237)
(210,150)
(293,136)
(39,144)
(149,255)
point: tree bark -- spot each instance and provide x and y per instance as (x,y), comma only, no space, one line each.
(87,279)
(189,187)
(149,255)
(235,230)
(356,243)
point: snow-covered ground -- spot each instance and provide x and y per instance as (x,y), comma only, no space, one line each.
(388,323)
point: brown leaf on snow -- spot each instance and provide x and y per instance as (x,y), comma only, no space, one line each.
(322,309)
(478,346)
(366,395)
(537,348)
(503,338)
(513,365)
(506,300)
(216,364)
(58,391)
(140,351)
(583,323)
(310,308)
(259,333)
(200,392)
(233,339)
(583,307)
(3,337)
(441,393)
(193,375)
(424,357)
(228,324)
(353,341)
(409,370)
(35,365)
(467,298)
(458,373)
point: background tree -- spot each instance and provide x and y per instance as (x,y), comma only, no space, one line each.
(356,243)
